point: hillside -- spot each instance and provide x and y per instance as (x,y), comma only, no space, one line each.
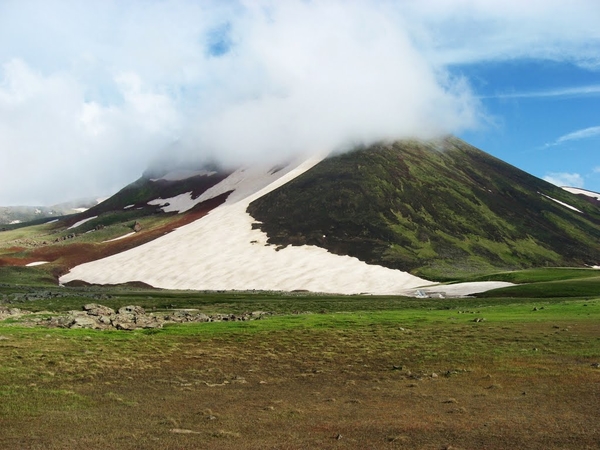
(438,209)
(13,215)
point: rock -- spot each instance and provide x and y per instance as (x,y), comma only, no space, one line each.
(137,226)
(60,322)
(123,323)
(132,309)
(94,309)
(84,322)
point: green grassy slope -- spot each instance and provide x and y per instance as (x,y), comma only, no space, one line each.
(439,209)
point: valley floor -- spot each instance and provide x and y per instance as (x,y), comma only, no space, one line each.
(522,376)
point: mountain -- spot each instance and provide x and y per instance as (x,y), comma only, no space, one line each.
(13,215)
(436,209)
(380,219)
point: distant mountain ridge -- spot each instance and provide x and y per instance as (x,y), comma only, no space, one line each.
(21,214)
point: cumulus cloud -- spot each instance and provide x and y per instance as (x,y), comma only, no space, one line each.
(92,91)
(565,179)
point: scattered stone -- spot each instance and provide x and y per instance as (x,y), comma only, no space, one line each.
(596,365)
(131,317)
(183,431)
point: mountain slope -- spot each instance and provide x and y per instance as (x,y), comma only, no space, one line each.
(223,251)
(438,209)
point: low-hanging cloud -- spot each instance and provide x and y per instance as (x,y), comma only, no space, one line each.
(90,92)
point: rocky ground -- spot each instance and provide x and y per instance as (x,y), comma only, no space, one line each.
(132,317)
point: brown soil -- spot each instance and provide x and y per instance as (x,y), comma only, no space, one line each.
(303,389)
(69,255)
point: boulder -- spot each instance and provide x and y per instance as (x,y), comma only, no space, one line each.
(84,322)
(132,309)
(94,309)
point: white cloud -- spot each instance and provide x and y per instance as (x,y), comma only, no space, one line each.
(584,133)
(565,179)
(90,91)
(593,89)
(464,31)
(53,140)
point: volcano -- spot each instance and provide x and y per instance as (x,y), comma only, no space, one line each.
(390,218)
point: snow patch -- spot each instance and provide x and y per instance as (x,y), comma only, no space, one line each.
(36,263)
(52,221)
(14,222)
(561,203)
(180,203)
(455,290)
(128,206)
(573,190)
(80,210)
(81,222)
(120,237)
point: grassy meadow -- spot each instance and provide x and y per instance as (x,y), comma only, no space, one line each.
(500,372)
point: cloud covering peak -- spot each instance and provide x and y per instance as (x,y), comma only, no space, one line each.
(90,92)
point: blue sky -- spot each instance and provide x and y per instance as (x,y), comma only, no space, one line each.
(546,118)
(92,92)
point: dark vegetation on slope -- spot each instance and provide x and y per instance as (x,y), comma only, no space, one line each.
(439,209)
(136,195)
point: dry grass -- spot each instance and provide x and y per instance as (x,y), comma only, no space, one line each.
(372,384)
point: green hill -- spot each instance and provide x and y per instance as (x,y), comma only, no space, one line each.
(439,209)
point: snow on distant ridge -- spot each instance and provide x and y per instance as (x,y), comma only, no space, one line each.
(223,251)
(574,190)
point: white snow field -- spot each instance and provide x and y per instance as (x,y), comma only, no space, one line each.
(221,251)
(573,190)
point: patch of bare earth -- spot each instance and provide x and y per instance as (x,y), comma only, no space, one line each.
(373,387)
(69,255)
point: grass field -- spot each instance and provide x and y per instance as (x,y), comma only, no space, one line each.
(325,372)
